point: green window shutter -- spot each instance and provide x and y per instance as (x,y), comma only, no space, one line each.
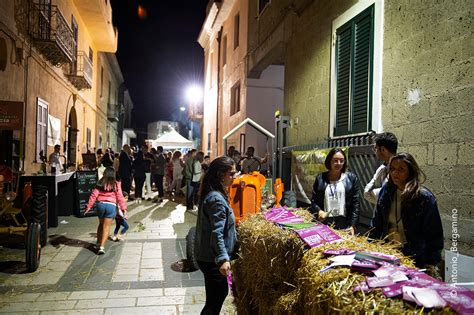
(343,70)
(354,74)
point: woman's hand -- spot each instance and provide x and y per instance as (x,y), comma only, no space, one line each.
(224,268)
(87,211)
(351,230)
(322,215)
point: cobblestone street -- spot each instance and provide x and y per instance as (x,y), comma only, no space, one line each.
(133,277)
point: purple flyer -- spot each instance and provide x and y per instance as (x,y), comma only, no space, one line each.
(318,235)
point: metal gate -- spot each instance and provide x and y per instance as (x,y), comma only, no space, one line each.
(361,161)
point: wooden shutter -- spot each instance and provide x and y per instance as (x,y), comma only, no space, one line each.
(354,51)
(343,89)
(362,83)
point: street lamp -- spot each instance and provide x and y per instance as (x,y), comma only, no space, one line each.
(194,97)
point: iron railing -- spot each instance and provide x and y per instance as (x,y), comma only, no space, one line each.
(51,34)
(80,74)
(361,160)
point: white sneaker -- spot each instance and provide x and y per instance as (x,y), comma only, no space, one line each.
(101,251)
(114,238)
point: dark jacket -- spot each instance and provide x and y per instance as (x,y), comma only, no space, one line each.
(216,236)
(139,166)
(125,165)
(421,222)
(352,193)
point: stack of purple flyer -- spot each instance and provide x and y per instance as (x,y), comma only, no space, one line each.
(318,235)
(282,215)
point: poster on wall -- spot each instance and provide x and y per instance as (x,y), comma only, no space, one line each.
(54,130)
(11,115)
(305,166)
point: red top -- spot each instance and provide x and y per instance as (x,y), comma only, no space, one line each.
(7,173)
(108,196)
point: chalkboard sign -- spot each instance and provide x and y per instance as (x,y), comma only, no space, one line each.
(85,183)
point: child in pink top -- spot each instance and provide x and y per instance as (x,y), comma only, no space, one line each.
(107,194)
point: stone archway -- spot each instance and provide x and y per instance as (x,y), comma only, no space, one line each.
(72,137)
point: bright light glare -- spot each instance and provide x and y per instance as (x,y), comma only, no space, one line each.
(182,108)
(193,94)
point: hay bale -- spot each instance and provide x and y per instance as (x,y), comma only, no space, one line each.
(265,271)
(277,274)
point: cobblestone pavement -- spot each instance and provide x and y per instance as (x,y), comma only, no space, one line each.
(133,277)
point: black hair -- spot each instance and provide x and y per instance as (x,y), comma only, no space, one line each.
(213,179)
(327,161)
(387,140)
(108,181)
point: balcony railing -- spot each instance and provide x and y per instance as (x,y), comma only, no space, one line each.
(51,34)
(80,72)
(113,112)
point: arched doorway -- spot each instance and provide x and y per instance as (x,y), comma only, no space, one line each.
(72,137)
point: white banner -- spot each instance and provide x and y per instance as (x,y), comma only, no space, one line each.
(54,130)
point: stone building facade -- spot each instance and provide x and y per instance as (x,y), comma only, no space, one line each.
(230,96)
(52,53)
(419,83)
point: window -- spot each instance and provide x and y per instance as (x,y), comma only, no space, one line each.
(100,140)
(355,84)
(224,50)
(261,5)
(88,138)
(236,30)
(41,129)
(91,55)
(101,92)
(235,99)
(209,143)
(211,73)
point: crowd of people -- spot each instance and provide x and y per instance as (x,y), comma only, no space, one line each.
(405,211)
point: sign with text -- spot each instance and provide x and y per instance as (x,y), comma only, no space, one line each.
(11,115)
(85,183)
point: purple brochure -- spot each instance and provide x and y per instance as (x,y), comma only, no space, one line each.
(318,235)
(341,251)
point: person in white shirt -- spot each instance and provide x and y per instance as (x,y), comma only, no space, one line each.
(54,159)
(385,146)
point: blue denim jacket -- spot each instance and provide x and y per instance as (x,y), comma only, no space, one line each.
(421,222)
(216,236)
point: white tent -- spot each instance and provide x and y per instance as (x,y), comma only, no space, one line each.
(172,140)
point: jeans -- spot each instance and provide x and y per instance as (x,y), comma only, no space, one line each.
(118,223)
(189,194)
(216,287)
(139,186)
(159,184)
(147,184)
(126,184)
(106,210)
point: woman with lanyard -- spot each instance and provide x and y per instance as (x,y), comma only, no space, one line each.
(335,198)
(407,213)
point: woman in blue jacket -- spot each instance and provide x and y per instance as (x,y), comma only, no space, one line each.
(336,193)
(407,213)
(216,236)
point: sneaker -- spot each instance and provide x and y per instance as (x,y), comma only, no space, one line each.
(101,251)
(121,237)
(115,238)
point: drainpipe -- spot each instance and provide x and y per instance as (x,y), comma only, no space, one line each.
(219,35)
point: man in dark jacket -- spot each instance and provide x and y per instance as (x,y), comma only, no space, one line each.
(160,163)
(125,170)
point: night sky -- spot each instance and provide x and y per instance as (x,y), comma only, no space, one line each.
(159,54)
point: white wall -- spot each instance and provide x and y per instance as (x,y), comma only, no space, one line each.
(264,97)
